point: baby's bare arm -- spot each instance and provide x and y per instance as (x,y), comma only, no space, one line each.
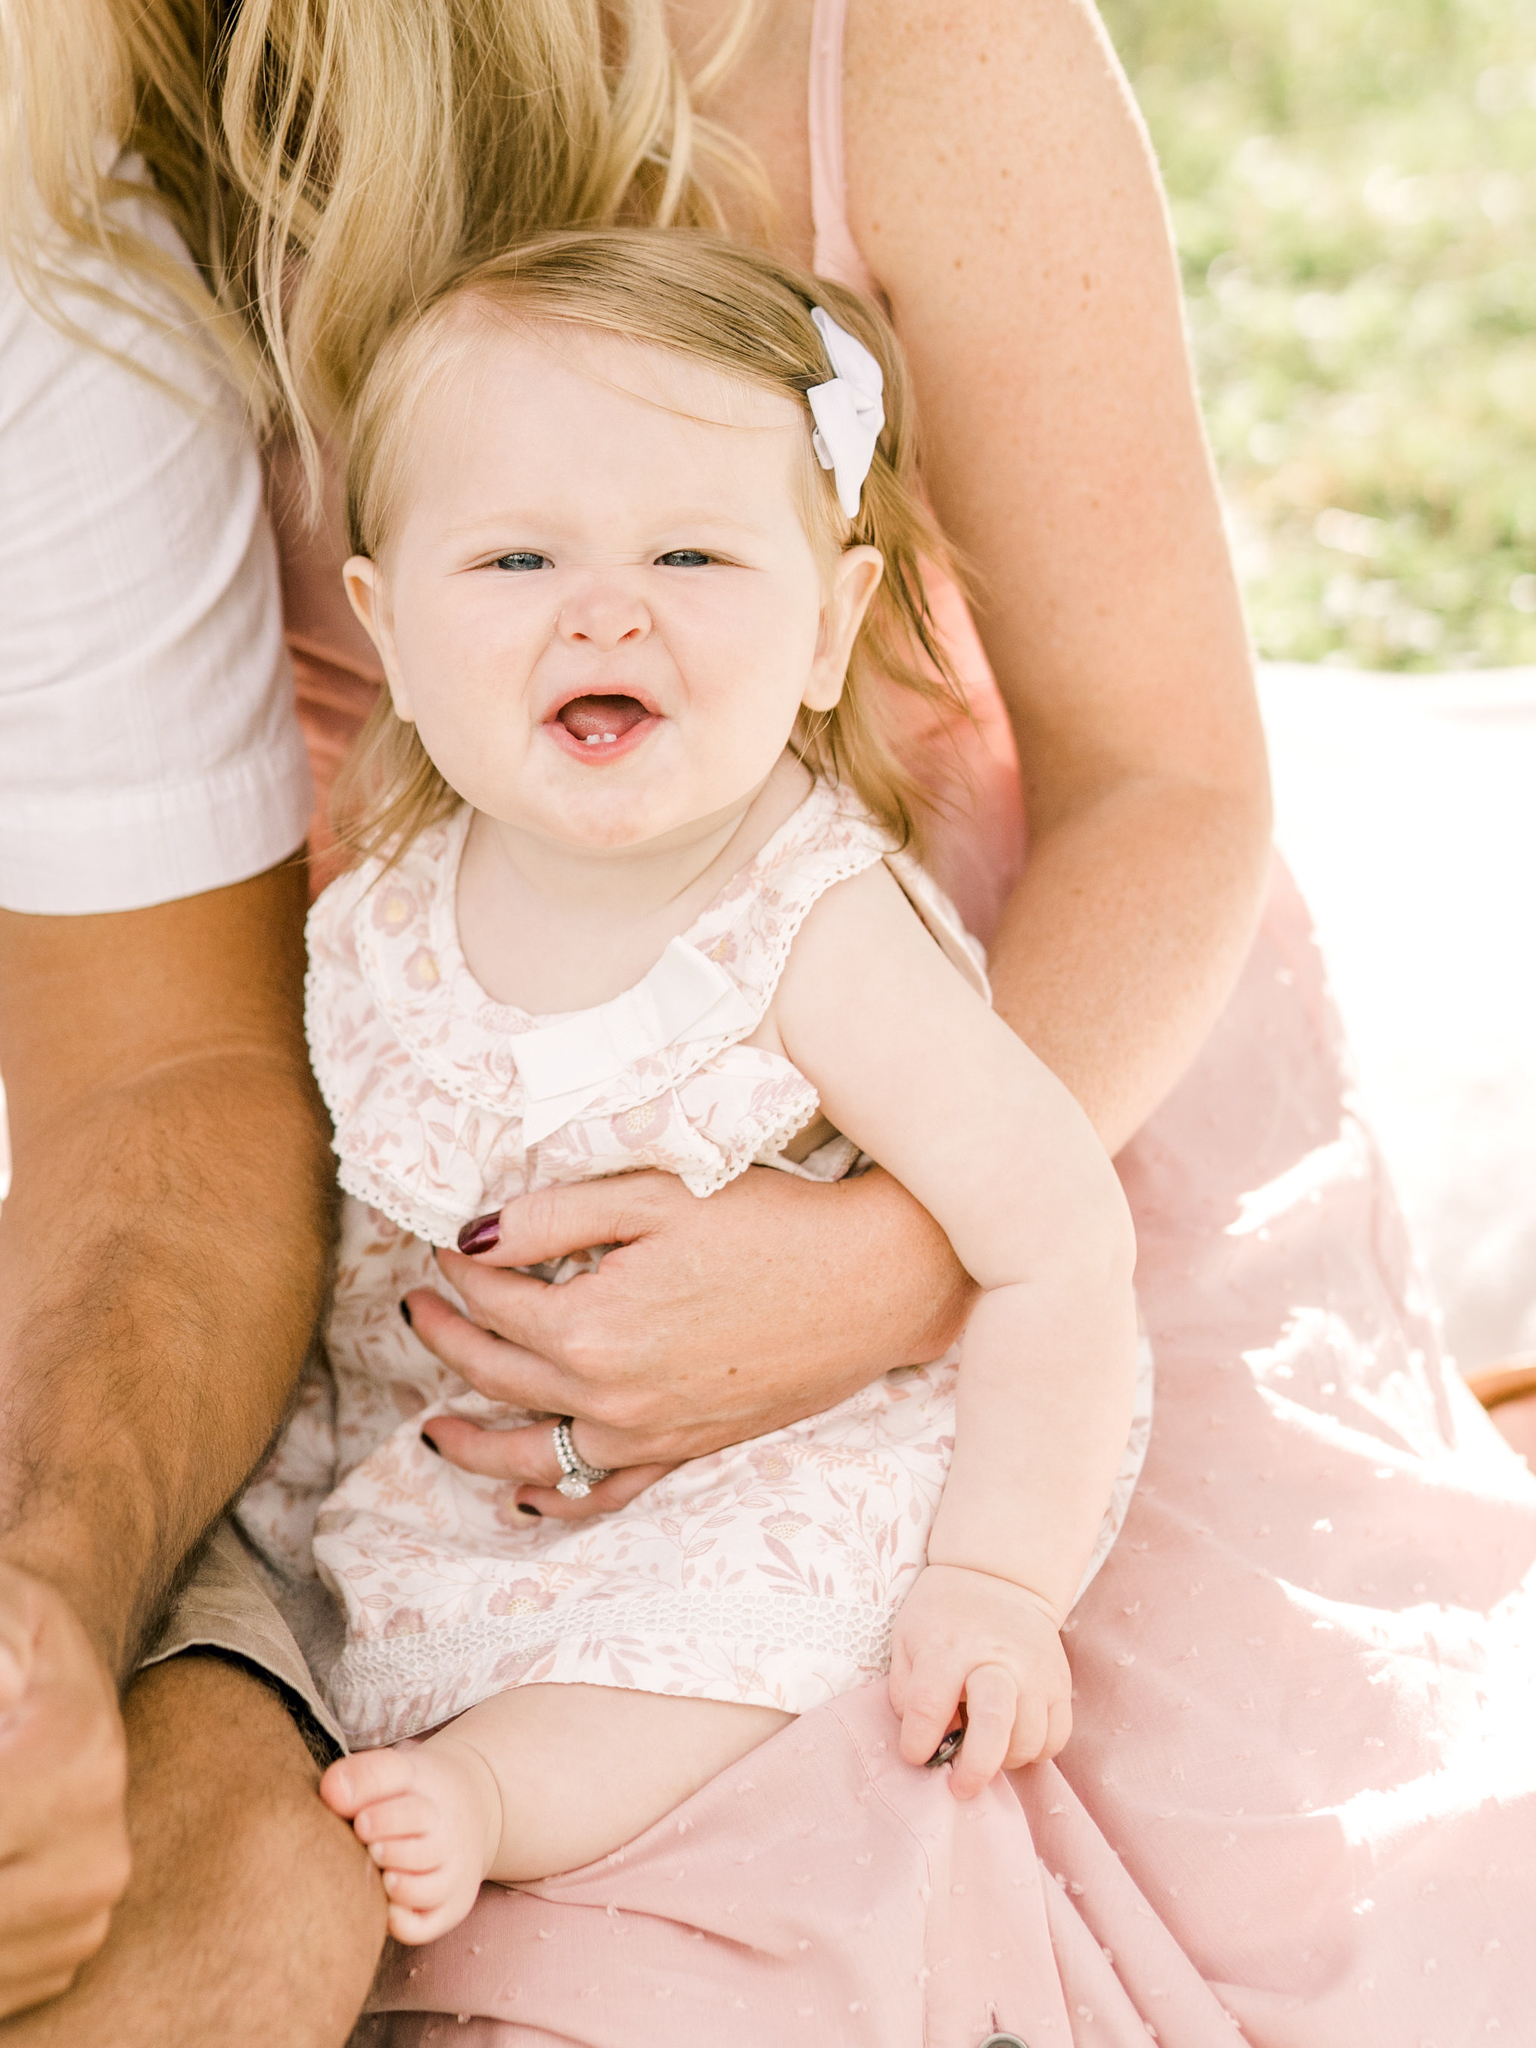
(915,1068)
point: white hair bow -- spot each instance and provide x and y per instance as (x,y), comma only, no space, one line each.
(848,411)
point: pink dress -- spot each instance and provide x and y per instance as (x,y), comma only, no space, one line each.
(1298,1809)
(768,1573)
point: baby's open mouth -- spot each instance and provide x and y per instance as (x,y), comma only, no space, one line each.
(601,721)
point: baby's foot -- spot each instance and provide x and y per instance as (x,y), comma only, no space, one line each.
(429,1816)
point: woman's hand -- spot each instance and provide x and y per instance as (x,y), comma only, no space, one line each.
(966,1637)
(709,1322)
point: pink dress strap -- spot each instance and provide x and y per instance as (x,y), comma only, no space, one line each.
(837,254)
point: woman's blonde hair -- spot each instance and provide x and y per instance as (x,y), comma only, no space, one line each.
(744,314)
(330,162)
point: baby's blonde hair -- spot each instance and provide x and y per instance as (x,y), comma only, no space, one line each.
(744,314)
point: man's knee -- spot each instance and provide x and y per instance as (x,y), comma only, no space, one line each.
(221,1777)
(252,1916)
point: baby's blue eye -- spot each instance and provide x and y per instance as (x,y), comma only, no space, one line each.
(522,559)
(683,558)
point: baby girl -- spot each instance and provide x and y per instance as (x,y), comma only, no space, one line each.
(638,540)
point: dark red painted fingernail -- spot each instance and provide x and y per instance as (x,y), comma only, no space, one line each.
(524,1509)
(405,1314)
(480,1236)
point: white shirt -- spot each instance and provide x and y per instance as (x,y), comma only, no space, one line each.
(149,747)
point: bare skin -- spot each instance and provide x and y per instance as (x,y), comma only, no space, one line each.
(999,182)
(1506,1390)
(441,1816)
(222,1811)
(138,1049)
(1000,185)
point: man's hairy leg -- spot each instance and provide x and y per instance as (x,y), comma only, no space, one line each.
(163,1252)
(253,1918)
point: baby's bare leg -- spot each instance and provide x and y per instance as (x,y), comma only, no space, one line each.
(538,1780)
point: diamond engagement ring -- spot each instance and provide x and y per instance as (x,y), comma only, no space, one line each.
(579,1477)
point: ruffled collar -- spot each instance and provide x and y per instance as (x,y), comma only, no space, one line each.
(707,991)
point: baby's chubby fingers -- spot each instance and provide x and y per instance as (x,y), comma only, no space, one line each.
(1058,1728)
(927,1700)
(992,1712)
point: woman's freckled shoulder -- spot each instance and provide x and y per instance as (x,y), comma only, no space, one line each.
(894,41)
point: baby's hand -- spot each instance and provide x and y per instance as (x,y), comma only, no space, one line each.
(965,1636)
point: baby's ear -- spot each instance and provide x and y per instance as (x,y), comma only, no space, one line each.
(369,599)
(855,579)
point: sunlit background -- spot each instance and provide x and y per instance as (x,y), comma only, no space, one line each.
(1353,185)
(1354,193)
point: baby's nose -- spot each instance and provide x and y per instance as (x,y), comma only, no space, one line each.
(605,615)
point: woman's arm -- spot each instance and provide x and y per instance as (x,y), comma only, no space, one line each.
(1001,186)
(1000,183)
(712,1322)
(162,1252)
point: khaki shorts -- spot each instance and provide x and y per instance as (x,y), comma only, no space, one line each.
(230,1608)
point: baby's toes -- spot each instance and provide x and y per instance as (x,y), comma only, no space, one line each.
(367,1778)
(394,1820)
(411,1928)
(412,1854)
(424,1905)
(418,1890)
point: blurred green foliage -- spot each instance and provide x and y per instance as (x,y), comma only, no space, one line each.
(1353,185)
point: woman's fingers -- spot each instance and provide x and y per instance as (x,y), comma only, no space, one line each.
(608,1494)
(494,1366)
(526,1454)
(554,1223)
(529,1455)
(651,1346)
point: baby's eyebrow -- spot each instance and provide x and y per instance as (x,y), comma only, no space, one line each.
(528,522)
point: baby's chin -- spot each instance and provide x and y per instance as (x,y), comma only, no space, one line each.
(612,820)
(662,798)
(631,823)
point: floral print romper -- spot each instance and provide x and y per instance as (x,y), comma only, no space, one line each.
(769,1572)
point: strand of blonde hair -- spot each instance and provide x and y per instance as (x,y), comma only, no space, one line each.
(330,162)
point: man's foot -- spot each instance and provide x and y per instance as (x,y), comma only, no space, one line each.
(429,1814)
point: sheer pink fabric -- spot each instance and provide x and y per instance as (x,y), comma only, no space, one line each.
(1301,1789)
(1299,1804)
